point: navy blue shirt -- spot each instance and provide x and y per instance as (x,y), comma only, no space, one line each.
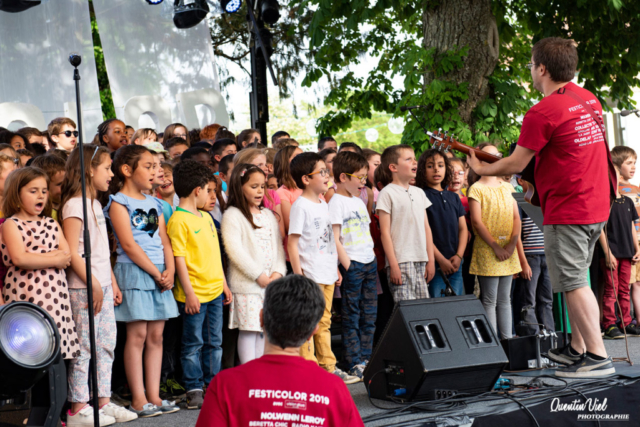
(444,217)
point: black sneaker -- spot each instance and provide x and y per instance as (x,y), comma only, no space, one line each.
(563,355)
(613,333)
(587,367)
(194,399)
(632,330)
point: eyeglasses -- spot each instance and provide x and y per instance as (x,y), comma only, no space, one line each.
(362,178)
(459,173)
(530,65)
(68,133)
(180,135)
(322,172)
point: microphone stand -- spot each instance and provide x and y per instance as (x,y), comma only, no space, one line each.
(75,61)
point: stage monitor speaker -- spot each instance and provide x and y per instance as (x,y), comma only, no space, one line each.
(435,348)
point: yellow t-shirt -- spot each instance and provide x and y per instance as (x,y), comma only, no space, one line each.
(195,238)
(497,216)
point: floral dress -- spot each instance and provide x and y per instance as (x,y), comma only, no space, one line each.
(245,308)
(46,287)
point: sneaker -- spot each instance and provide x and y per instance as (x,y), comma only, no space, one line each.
(632,330)
(122,415)
(358,370)
(587,367)
(563,355)
(168,407)
(348,379)
(148,410)
(613,333)
(119,400)
(194,399)
(84,417)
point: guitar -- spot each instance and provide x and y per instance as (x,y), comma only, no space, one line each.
(446,142)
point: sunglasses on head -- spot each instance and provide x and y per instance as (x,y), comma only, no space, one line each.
(68,133)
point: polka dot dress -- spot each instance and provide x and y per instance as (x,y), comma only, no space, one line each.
(45,287)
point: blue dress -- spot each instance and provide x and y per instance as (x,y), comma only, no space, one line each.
(142,298)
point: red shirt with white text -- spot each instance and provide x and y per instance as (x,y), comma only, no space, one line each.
(571,161)
(278,390)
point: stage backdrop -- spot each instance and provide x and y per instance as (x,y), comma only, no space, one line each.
(36,79)
(158,73)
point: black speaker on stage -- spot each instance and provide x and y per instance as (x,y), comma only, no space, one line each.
(435,348)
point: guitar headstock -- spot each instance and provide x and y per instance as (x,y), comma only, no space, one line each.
(442,141)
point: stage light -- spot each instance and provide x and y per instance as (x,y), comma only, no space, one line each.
(29,344)
(231,6)
(189,13)
(270,11)
(15,6)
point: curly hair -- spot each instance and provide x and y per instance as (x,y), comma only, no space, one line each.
(421,173)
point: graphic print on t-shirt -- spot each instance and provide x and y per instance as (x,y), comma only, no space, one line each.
(358,224)
(140,220)
(325,242)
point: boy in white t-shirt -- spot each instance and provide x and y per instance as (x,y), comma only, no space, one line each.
(404,227)
(350,221)
(312,251)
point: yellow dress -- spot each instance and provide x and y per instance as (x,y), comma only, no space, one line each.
(497,216)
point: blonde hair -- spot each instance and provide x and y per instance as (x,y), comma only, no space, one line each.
(142,134)
(5,159)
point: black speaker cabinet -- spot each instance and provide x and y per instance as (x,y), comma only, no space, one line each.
(435,348)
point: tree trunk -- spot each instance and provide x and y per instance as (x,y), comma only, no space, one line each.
(449,24)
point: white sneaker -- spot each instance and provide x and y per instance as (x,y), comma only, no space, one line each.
(122,415)
(348,379)
(84,417)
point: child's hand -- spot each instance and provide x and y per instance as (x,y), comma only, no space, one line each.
(192,304)
(98,296)
(62,259)
(526,272)
(430,271)
(275,276)
(612,262)
(455,261)
(263,280)
(501,253)
(168,277)
(396,275)
(339,281)
(636,258)
(228,296)
(447,267)
(117,295)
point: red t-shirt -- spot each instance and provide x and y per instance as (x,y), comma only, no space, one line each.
(278,390)
(571,172)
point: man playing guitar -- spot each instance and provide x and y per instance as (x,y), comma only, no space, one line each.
(574,183)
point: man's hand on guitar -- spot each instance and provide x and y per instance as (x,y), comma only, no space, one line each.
(501,253)
(474,163)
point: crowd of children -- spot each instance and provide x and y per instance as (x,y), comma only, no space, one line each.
(189,228)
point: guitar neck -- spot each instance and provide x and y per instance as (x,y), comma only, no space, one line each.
(482,155)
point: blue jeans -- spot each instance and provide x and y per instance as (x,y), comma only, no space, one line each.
(359,310)
(201,343)
(436,285)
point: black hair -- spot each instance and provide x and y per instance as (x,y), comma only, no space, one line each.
(103,129)
(219,146)
(280,134)
(194,136)
(302,165)
(223,166)
(350,145)
(38,149)
(421,173)
(293,306)
(203,143)
(172,142)
(348,162)
(189,175)
(190,153)
(324,141)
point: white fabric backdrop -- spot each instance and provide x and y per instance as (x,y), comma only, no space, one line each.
(34,68)
(147,56)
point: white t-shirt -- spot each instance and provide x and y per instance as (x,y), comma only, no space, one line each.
(100,262)
(351,214)
(407,208)
(317,248)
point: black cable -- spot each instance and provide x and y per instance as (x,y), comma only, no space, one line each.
(585,401)
(523,406)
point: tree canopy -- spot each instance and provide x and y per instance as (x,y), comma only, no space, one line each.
(343,33)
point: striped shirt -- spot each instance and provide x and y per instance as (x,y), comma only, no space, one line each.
(532,237)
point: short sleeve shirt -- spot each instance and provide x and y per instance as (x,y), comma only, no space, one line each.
(619,235)
(316,246)
(97,226)
(571,173)
(196,239)
(407,210)
(351,214)
(444,219)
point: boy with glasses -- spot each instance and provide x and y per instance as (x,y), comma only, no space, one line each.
(358,265)
(313,253)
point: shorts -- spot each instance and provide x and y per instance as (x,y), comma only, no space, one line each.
(635,274)
(414,285)
(569,250)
